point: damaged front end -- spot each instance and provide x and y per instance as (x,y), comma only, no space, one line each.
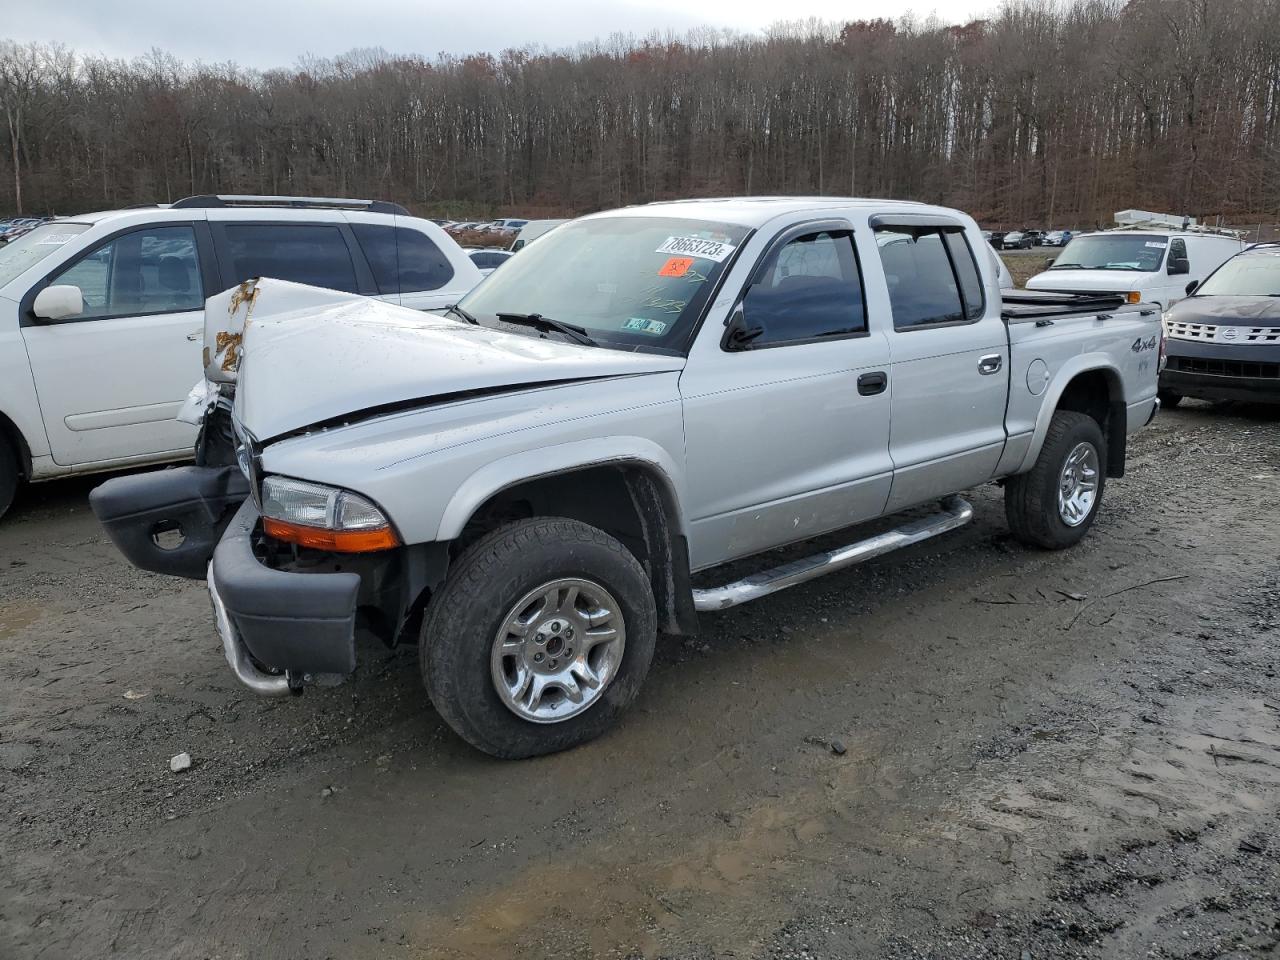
(287,615)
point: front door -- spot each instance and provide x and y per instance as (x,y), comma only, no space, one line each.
(950,364)
(111,380)
(787,426)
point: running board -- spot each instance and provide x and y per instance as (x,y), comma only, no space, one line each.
(955,513)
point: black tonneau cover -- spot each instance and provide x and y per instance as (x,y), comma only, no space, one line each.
(1035,304)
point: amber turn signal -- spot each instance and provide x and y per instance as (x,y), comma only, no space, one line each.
(337,541)
(1133,296)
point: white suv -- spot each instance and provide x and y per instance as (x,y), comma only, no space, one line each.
(101,315)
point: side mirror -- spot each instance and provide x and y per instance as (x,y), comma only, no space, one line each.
(1179,266)
(1191,287)
(1049,262)
(58,302)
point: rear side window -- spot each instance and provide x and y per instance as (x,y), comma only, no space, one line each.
(301,252)
(810,288)
(932,276)
(402,260)
(423,266)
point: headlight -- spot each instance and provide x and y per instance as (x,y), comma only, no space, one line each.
(324,518)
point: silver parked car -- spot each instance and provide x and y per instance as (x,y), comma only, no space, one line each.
(526,487)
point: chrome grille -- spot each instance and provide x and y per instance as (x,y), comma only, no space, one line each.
(1181,330)
(1213,333)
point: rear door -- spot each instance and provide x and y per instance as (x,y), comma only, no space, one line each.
(787,430)
(110,381)
(950,359)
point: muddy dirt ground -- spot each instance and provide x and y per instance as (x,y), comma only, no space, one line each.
(1046,755)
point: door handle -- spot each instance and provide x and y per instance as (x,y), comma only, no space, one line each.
(990,364)
(198,335)
(869,384)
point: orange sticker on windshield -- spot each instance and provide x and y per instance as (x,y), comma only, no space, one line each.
(676,267)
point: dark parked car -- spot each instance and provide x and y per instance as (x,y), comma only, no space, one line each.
(1223,340)
(1016,240)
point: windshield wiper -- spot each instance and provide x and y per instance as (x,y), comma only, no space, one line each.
(460,312)
(539,322)
(1068,266)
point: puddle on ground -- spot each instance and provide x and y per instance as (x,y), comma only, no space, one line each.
(15,617)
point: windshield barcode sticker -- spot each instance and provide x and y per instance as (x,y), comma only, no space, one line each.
(1158,246)
(697,247)
(56,239)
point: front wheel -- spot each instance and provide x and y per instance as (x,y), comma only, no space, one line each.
(539,638)
(1054,504)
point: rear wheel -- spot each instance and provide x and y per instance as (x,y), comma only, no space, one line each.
(1053,505)
(9,474)
(539,639)
(1169,399)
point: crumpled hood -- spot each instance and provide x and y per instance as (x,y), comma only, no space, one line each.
(1228,311)
(1086,281)
(306,356)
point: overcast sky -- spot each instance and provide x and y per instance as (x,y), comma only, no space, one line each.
(267,33)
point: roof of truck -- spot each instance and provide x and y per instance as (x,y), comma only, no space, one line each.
(757,211)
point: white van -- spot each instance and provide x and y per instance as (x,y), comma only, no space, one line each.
(532,230)
(1147,266)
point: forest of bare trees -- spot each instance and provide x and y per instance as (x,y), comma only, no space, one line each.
(1053,113)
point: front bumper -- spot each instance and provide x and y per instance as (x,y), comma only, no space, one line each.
(1212,371)
(302,624)
(279,628)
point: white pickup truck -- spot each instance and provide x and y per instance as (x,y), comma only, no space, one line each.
(528,486)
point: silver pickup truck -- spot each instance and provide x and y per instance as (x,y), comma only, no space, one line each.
(527,485)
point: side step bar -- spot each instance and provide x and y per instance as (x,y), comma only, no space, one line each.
(955,513)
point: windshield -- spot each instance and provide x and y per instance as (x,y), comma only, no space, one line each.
(631,283)
(1138,252)
(29,249)
(1255,275)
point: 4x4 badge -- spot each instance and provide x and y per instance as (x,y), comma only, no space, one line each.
(1140,345)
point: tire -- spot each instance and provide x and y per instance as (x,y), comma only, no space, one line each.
(1031,500)
(1169,399)
(470,616)
(9,475)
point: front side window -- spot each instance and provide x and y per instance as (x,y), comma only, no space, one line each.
(1250,275)
(1135,252)
(809,289)
(155,270)
(632,282)
(310,253)
(923,285)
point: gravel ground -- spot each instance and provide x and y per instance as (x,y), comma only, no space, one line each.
(1044,755)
